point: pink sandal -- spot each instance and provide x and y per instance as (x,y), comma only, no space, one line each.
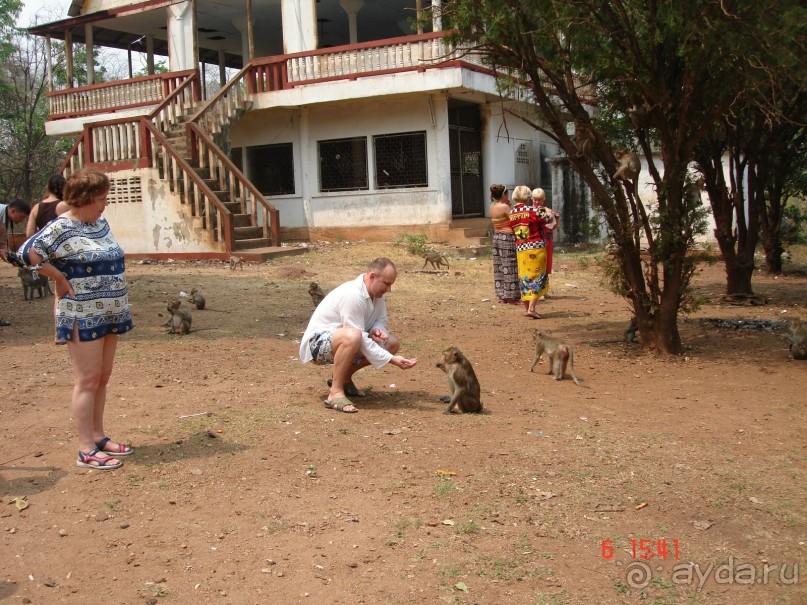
(102,464)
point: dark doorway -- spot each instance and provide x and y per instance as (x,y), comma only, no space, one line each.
(465,141)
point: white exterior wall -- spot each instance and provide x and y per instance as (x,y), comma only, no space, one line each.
(304,128)
(158,224)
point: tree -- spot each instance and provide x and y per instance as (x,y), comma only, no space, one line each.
(28,157)
(762,138)
(665,72)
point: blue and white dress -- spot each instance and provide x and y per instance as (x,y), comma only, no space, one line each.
(92,260)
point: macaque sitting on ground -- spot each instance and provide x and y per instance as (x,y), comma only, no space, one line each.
(316,293)
(236,261)
(436,259)
(630,333)
(180,320)
(462,381)
(797,339)
(558,353)
(197,299)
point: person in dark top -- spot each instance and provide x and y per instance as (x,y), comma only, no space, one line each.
(49,208)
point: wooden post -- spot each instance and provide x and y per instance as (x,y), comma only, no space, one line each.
(250,38)
(68,57)
(88,45)
(150,55)
(222,68)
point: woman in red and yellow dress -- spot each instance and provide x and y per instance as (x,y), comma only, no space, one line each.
(529,225)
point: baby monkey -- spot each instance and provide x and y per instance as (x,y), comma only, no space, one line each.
(236,261)
(462,381)
(316,293)
(559,355)
(180,321)
(197,299)
(436,259)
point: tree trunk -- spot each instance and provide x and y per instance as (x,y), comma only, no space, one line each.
(738,279)
(773,257)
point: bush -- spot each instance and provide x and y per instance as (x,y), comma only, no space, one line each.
(416,245)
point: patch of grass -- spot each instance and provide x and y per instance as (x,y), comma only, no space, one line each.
(468,528)
(444,488)
(621,587)
(416,245)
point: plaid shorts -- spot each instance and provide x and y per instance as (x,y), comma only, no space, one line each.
(322,351)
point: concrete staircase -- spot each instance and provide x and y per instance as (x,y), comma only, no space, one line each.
(469,233)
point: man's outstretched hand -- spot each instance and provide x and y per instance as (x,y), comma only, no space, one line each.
(402,362)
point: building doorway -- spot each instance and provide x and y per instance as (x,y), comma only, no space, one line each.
(465,142)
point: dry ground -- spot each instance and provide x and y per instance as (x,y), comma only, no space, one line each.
(272,499)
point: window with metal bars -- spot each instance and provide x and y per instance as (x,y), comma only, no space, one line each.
(271,168)
(343,164)
(400,160)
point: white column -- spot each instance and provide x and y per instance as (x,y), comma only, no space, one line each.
(437,15)
(439,166)
(181,28)
(299,25)
(352,8)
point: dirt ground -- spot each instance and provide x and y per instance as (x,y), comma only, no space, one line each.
(244,489)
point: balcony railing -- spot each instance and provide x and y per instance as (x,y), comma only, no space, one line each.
(114,96)
(349,62)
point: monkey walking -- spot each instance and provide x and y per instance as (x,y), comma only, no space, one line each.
(797,339)
(558,353)
(236,261)
(316,293)
(197,299)
(436,259)
(180,320)
(462,381)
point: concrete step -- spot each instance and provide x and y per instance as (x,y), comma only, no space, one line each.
(248,243)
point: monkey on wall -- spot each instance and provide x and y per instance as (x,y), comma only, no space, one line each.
(558,353)
(462,382)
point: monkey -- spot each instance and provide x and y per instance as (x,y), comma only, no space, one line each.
(797,339)
(628,171)
(197,299)
(236,261)
(462,382)
(180,321)
(630,333)
(559,355)
(316,293)
(629,165)
(30,284)
(436,259)
(584,140)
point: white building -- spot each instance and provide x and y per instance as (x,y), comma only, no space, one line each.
(341,122)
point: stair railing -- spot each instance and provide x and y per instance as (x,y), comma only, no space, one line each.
(211,118)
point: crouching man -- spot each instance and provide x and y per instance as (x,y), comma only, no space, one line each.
(349,330)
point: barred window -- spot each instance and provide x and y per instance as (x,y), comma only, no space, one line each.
(400,160)
(343,164)
(271,168)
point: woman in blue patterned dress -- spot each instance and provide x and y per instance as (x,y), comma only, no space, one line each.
(79,253)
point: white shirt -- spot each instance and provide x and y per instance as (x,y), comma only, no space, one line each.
(350,305)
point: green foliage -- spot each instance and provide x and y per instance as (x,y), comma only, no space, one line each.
(416,245)
(794,223)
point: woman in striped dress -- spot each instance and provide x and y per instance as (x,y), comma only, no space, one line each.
(79,253)
(505,272)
